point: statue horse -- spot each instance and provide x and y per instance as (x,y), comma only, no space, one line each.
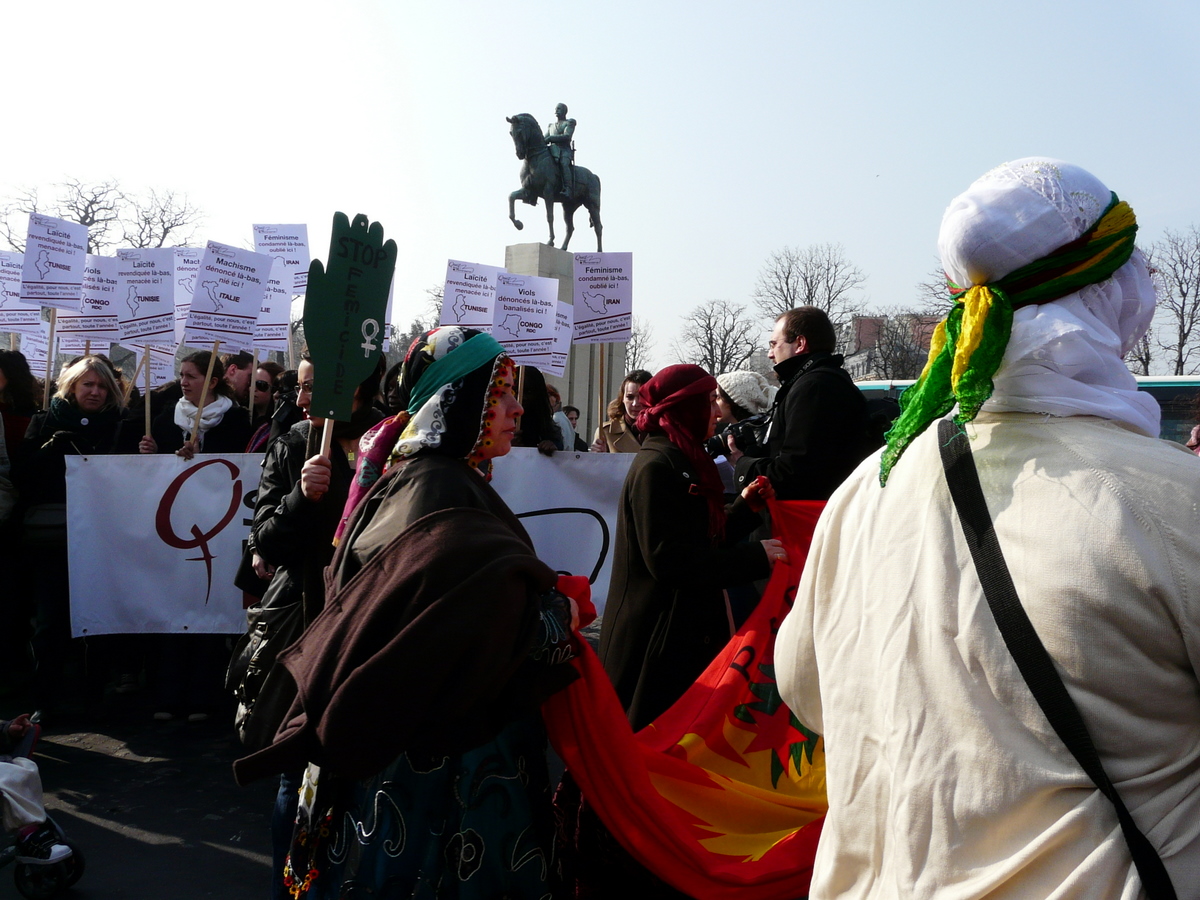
(540,177)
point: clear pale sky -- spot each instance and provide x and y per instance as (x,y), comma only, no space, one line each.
(720,133)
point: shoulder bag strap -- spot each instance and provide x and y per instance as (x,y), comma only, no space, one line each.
(1028,651)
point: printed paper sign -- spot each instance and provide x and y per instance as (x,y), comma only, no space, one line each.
(229,292)
(162,364)
(469,294)
(524,317)
(34,345)
(73,345)
(289,245)
(180,531)
(15,316)
(97,319)
(563,333)
(603,297)
(271,329)
(145,295)
(187,264)
(55,253)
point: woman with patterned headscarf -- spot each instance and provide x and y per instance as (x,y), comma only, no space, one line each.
(420,683)
(676,549)
(945,776)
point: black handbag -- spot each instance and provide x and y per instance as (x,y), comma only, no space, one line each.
(1027,649)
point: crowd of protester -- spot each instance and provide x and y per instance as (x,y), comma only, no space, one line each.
(405,633)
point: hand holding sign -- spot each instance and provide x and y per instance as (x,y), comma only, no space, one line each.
(344,312)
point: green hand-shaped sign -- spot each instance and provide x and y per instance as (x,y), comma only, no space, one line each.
(344,311)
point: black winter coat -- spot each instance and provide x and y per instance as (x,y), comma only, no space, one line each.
(665,619)
(819,431)
(230,435)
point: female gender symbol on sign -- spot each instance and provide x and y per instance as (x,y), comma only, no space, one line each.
(200,539)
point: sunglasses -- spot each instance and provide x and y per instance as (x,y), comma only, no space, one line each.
(305,386)
(262,386)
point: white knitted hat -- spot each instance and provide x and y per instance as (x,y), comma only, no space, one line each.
(749,390)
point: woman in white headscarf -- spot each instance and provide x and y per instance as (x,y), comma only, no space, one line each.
(945,778)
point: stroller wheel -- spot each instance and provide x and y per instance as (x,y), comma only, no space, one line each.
(41,882)
(75,865)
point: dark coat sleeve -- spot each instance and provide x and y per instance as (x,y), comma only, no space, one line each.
(823,438)
(283,516)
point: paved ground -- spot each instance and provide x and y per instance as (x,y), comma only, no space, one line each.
(155,808)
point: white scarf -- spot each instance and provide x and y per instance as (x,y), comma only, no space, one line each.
(214,411)
(1064,358)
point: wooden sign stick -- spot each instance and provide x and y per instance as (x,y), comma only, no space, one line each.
(146,392)
(87,347)
(133,380)
(603,401)
(49,359)
(253,372)
(520,392)
(327,438)
(212,362)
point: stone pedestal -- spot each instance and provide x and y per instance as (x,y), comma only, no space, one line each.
(580,387)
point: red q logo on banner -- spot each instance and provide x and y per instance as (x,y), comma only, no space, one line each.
(198,537)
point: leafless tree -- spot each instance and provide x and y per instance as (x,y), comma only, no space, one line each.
(1142,356)
(933,294)
(901,343)
(112,217)
(641,341)
(160,219)
(1175,266)
(717,335)
(817,275)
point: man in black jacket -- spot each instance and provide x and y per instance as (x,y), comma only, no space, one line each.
(819,428)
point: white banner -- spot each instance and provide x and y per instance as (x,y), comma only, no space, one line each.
(603,297)
(568,503)
(96,319)
(15,316)
(55,251)
(146,295)
(289,245)
(228,295)
(154,542)
(469,294)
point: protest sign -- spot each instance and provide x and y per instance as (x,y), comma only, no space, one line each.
(55,253)
(524,317)
(469,294)
(271,329)
(568,503)
(187,264)
(16,316)
(289,245)
(162,363)
(181,524)
(229,291)
(346,302)
(96,319)
(74,345)
(563,333)
(145,295)
(603,297)
(35,347)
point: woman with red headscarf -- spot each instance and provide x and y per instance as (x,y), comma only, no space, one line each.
(676,549)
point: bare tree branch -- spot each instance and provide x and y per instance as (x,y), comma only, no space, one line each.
(819,275)
(1175,266)
(718,336)
(14,219)
(637,351)
(163,219)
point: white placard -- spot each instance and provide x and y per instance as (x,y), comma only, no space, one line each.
(74,345)
(524,317)
(146,295)
(564,332)
(469,295)
(289,245)
(34,345)
(583,490)
(55,253)
(229,292)
(15,316)
(271,329)
(187,264)
(97,318)
(180,536)
(162,364)
(603,297)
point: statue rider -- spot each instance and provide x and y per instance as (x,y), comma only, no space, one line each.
(558,137)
